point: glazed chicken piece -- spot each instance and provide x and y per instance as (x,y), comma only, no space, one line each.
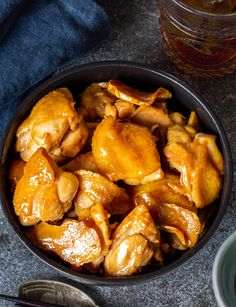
(166,190)
(177,118)
(76,242)
(193,121)
(149,116)
(16,172)
(93,102)
(134,96)
(175,237)
(120,109)
(101,219)
(179,221)
(84,161)
(44,192)
(124,109)
(126,151)
(209,141)
(110,110)
(95,188)
(134,242)
(206,180)
(178,134)
(199,162)
(180,218)
(53,124)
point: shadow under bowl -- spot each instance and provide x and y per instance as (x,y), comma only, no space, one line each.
(142,77)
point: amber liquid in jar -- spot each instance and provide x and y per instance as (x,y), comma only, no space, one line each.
(212,6)
(202,40)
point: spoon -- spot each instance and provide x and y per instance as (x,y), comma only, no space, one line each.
(54,292)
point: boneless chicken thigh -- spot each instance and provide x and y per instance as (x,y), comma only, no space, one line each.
(53,124)
(126,151)
(44,192)
(199,161)
(76,242)
(134,242)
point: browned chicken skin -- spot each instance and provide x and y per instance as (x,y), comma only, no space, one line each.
(77,242)
(93,102)
(134,241)
(166,190)
(94,188)
(126,151)
(182,219)
(150,116)
(129,94)
(53,124)
(44,192)
(101,219)
(199,162)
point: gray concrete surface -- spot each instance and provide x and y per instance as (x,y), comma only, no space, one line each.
(136,37)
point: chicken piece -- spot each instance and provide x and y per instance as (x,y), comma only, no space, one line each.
(161,191)
(149,116)
(183,219)
(16,172)
(176,237)
(193,121)
(162,105)
(199,162)
(101,219)
(110,110)
(178,134)
(134,242)
(192,131)
(129,94)
(126,151)
(53,124)
(44,192)
(177,118)
(214,154)
(84,161)
(124,109)
(206,180)
(93,102)
(76,242)
(157,254)
(94,188)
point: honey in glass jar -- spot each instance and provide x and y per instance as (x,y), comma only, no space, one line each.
(200,36)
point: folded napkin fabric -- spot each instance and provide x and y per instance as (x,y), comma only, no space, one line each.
(46,35)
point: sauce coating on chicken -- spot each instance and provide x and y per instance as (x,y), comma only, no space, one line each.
(117,183)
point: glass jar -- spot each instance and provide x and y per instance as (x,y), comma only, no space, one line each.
(198,42)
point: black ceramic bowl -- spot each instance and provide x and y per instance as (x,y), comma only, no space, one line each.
(143,77)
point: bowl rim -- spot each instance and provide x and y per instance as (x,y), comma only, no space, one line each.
(217,265)
(130,280)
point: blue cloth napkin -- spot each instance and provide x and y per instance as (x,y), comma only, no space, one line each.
(6,8)
(46,35)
